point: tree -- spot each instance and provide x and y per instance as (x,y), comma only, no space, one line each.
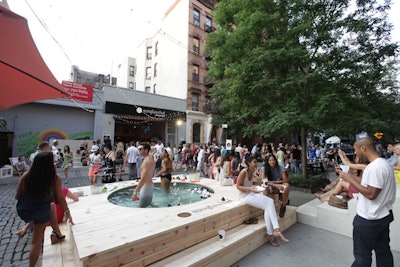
(290,66)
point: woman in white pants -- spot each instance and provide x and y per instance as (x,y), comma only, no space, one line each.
(255,198)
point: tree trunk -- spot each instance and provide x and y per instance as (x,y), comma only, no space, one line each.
(304,152)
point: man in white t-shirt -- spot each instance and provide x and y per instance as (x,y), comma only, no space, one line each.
(200,160)
(131,156)
(239,149)
(159,147)
(377,190)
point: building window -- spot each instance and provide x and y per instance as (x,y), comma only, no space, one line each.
(195,73)
(195,102)
(149,52)
(155,88)
(196,17)
(156,49)
(155,70)
(147,89)
(131,85)
(148,73)
(132,71)
(208,25)
(196,132)
(208,22)
(196,45)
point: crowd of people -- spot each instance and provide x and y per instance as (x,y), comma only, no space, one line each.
(42,187)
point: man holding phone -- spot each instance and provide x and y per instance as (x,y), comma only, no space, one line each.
(374,207)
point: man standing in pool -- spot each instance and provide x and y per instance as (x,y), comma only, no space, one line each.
(145,186)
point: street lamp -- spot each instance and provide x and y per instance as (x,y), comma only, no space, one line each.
(178,123)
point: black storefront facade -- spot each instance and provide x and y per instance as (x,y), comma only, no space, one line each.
(138,116)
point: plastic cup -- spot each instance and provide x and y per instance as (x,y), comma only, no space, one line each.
(344,168)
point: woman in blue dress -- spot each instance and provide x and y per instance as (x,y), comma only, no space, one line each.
(34,193)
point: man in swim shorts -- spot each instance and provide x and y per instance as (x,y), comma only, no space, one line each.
(145,186)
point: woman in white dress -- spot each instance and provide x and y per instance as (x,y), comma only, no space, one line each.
(253,197)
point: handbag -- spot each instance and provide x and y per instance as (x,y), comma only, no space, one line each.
(338,201)
(227,181)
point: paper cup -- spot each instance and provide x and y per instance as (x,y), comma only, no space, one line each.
(344,168)
(221,235)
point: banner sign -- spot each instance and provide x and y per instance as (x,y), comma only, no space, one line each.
(79,91)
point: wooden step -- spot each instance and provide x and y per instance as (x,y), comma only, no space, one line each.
(60,254)
(238,242)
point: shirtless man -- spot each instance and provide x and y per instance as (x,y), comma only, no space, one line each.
(145,186)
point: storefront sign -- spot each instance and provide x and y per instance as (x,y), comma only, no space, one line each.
(154,112)
(79,91)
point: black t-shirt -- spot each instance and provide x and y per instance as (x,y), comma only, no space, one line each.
(296,153)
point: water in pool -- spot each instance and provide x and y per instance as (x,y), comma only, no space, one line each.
(179,194)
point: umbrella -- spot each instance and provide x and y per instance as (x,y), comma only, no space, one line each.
(333,140)
(24,76)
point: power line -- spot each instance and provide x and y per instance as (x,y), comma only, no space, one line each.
(48,31)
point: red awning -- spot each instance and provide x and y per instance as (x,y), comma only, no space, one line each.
(24,76)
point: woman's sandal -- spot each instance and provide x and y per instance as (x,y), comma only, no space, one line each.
(272,240)
(281,236)
(251,221)
(55,238)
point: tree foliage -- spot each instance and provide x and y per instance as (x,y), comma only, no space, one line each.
(319,65)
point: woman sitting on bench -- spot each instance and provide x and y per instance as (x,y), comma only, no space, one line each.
(20,166)
(275,177)
(254,197)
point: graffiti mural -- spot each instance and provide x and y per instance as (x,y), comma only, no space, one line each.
(50,134)
(27,142)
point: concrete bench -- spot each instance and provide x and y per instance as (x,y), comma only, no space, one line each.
(324,216)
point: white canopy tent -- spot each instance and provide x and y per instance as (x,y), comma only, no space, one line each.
(332,140)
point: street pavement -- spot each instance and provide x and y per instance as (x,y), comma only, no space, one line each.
(309,246)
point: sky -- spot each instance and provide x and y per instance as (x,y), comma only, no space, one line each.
(97,35)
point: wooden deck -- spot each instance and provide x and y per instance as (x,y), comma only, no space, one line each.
(108,235)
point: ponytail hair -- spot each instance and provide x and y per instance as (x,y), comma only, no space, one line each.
(250,159)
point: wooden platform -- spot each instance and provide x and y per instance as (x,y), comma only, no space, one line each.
(110,235)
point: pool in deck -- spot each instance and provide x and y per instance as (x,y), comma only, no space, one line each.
(104,232)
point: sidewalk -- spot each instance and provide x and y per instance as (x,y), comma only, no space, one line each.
(309,246)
